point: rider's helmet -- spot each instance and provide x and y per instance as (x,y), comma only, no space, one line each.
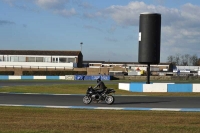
(98,80)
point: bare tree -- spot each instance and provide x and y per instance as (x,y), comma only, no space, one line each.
(184,60)
(170,59)
(177,59)
(198,62)
(194,60)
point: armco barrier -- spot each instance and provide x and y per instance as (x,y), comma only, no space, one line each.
(52,77)
(196,88)
(136,87)
(179,88)
(27,77)
(11,77)
(159,87)
(79,77)
(39,77)
(4,77)
(155,87)
(124,86)
(62,77)
(88,78)
(91,77)
(69,77)
(16,77)
(66,77)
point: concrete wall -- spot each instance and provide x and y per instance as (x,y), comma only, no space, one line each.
(143,77)
(159,87)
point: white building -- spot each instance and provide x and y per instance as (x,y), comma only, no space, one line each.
(39,58)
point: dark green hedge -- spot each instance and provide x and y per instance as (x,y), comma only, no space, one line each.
(53,73)
(7,72)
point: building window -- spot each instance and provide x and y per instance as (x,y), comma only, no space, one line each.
(39,59)
(55,60)
(13,59)
(71,60)
(22,59)
(6,58)
(30,59)
(62,60)
(1,58)
(47,59)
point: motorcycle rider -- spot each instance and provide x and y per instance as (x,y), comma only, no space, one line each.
(101,86)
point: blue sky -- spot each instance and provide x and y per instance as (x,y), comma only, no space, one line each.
(108,28)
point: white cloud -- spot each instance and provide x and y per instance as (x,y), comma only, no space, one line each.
(92,27)
(65,13)
(129,15)
(180,27)
(10,2)
(85,5)
(51,4)
(57,6)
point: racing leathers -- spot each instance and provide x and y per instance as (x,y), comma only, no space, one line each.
(101,86)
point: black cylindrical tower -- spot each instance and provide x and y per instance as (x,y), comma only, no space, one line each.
(149,38)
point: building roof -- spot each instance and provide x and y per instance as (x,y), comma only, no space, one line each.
(106,62)
(86,61)
(40,52)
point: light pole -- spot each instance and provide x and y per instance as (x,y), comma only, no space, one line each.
(81,45)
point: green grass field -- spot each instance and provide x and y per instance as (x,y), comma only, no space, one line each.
(43,120)
(80,89)
(47,120)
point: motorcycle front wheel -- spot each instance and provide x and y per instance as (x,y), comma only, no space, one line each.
(87,99)
(109,99)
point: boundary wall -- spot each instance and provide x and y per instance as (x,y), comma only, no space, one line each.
(159,87)
(66,77)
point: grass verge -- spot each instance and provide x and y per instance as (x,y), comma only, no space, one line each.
(33,120)
(46,120)
(80,89)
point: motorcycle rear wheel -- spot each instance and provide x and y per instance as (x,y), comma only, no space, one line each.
(109,100)
(87,99)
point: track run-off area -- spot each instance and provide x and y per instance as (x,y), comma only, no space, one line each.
(122,102)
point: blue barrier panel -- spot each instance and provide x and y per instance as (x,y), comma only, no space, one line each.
(4,77)
(105,77)
(27,77)
(91,77)
(136,87)
(179,87)
(102,77)
(52,77)
(95,77)
(88,77)
(79,77)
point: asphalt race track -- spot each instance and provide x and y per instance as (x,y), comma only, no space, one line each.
(121,102)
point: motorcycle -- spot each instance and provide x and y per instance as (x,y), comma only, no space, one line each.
(95,96)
